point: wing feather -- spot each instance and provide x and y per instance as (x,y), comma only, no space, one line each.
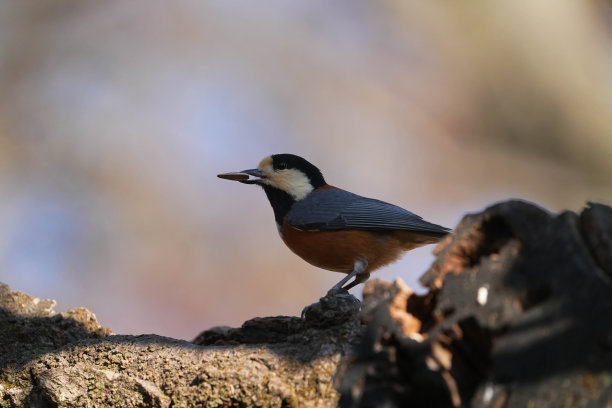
(330,210)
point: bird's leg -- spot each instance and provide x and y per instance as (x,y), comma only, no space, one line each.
(360,265)
(361,277)
(341,291)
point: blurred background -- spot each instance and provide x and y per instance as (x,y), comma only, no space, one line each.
(116,116)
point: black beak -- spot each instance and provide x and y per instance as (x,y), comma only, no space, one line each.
(244,176)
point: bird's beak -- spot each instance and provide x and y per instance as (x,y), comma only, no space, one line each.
(244,176)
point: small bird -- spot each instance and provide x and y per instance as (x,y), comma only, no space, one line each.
(332,228)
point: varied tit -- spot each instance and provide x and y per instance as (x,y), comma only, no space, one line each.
(332,228)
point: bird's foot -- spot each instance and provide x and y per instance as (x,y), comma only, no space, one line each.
(332,301)
(343,294)
(306,310)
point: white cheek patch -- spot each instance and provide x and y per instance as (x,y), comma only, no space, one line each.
(293,182)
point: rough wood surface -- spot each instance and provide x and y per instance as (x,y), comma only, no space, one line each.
(69,360)
(518,313)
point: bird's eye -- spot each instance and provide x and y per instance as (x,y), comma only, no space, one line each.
(281,166)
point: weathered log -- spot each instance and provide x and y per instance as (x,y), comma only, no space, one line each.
(518,314)
(69,360)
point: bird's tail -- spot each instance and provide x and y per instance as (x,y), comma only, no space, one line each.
(415,239)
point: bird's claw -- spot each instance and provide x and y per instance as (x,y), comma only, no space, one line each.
(306,309)
(324,302)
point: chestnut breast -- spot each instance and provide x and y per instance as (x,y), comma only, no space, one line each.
(338,250)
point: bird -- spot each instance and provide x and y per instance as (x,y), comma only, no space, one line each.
(332,228)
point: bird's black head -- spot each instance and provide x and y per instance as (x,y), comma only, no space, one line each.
(288,173)
(294,165)
(286,178)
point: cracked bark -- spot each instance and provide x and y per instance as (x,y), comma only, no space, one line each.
(518,313)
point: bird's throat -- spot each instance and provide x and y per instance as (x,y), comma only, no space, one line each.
(280,201)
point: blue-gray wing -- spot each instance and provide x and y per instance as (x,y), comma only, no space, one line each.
(332,210)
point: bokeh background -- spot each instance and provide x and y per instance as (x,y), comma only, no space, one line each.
(115,117)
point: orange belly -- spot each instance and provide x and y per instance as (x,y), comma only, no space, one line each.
(338,250)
